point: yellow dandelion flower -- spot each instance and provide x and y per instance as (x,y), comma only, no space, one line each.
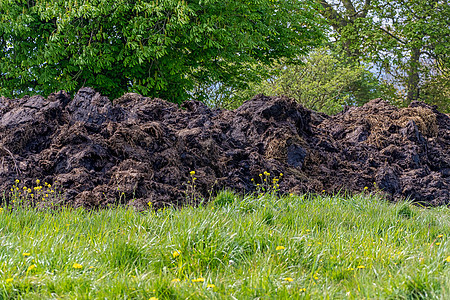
(281,174)
(38,181)
(153,298)
(200,279)
(1,209)
(90,267)
(24,188)
(278,248)
(175,280)
(289,279)
(302,290)
(447,259)
(77,266)
(360,267)
(290,194)
(8,280)
(437,244)
(17,181)
(441,235)
(176,253)
(29,190)
(366,188)
(30,268)
(192,173)
(350,269)
(316,277)
(210,285)
(26,254)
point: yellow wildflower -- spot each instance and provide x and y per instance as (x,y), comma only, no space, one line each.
(30,268)
(437,244)
(26,254)
(17,181)
(288,279)
(210,285)
(192,173)
(153,298)
(366,188)
(176,253)
(360,267)
(8,280)
(38,181)
(77,266)
(200,279)
(441,235)
(447,259)
(175,280)
(280,248)
(302,290)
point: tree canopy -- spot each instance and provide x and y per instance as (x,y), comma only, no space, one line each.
(407,40)
(156,48)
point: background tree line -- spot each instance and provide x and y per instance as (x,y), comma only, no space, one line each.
(326,54)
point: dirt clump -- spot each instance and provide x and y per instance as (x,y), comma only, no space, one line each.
(137,150)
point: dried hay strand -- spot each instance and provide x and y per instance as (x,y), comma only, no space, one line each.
(276,149)
(424,118)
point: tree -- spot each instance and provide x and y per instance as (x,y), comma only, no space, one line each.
(324,81)
(406,40)
(156,48)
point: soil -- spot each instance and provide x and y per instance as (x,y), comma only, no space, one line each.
(137,150)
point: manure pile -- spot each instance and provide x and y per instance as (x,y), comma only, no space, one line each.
(139,150)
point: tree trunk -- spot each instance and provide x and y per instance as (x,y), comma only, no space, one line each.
(413,76)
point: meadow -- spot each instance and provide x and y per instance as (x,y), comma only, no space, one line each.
(253,247)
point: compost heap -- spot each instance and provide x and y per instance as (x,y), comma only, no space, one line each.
(139,150)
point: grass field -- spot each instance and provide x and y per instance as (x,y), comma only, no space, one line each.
(309,247)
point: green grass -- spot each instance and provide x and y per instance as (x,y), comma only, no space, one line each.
(331,247)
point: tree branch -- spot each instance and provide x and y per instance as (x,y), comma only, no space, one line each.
(393,36)
(349,6)
(365,10)
(336,20)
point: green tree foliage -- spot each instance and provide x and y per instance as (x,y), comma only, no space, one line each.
(323,81)
(157,48)
(407,40)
